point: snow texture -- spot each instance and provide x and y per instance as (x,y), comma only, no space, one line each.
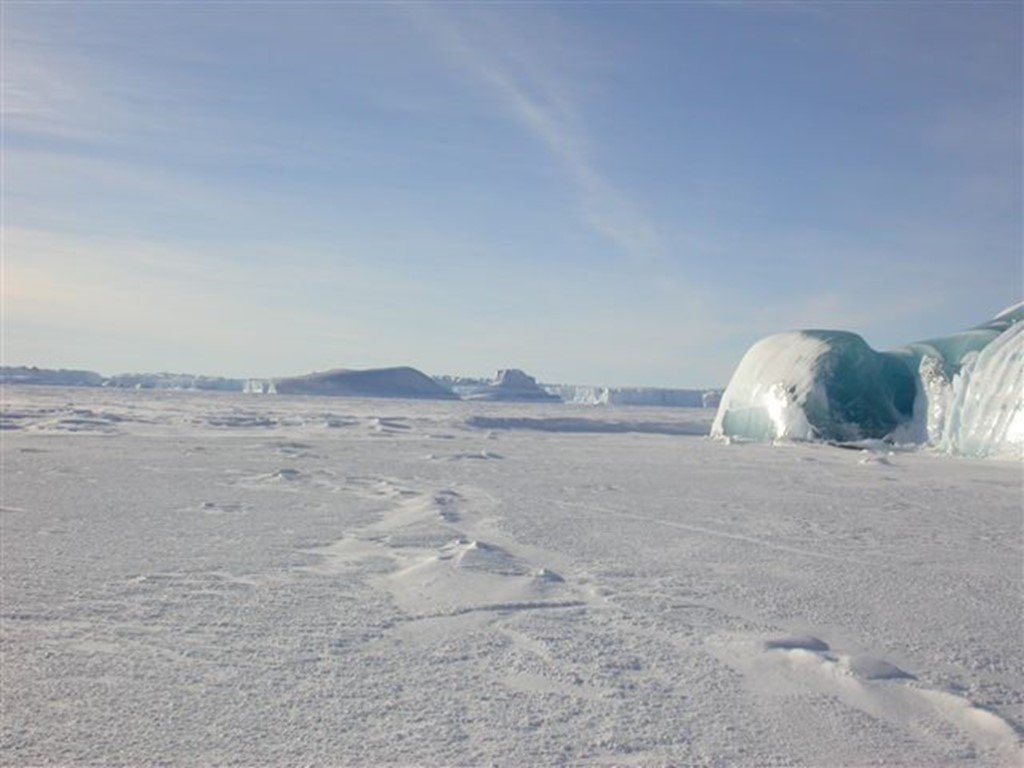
(212,578)
(962,394)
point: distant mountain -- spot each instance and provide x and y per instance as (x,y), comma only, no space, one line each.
(376,382)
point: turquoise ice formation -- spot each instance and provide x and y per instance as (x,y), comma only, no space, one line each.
(962,393)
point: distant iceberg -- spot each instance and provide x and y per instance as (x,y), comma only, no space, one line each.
(179,381)
(509,384)
(962,393)
(376,382)
(20,374)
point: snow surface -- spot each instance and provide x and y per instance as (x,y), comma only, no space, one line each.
(212,578)
(963,393)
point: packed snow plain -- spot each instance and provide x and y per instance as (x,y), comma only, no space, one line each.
(217,578)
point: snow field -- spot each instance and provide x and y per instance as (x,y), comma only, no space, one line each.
(195,578)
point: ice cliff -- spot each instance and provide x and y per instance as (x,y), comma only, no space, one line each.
(187,381)
(962,393)
(73,378)
(653,396)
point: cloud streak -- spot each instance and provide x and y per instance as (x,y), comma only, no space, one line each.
(533,98)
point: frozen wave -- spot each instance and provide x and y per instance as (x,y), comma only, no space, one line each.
(981,410)
(805,385)
(963,393)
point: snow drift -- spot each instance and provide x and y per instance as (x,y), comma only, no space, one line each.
(962,393)
(375,382)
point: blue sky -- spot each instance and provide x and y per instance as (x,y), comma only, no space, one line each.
(610,193)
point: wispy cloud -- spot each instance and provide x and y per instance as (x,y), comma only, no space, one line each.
(43,96)
(57,90)
(535,98)
(67,99)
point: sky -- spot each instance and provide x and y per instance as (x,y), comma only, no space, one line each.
(604,193)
